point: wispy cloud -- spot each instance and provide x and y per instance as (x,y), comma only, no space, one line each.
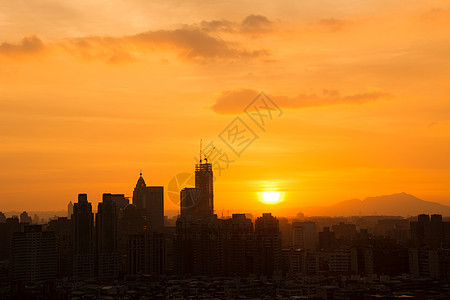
(235,101)
(195,43)
(252,24)
(27,46)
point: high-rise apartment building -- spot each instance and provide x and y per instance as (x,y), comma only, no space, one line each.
(33,255)
(83,238)
(107,239)
(154,207)
(304,235)
(267,245)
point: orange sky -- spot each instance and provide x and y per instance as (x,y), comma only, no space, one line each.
(93,91)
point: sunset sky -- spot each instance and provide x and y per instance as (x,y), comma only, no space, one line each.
(93,91)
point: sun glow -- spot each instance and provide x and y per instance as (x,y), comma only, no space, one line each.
(271,197)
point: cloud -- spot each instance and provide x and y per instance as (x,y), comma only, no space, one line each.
(235,101)
(28,45)
(219,26)
(195,43)
(231,102)
(256,24)
(252,24)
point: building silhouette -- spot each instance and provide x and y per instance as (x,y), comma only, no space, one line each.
(107,253)
(327,239)
(119,200)
(7,229)
(199,247)
(141,231)
(139,192)
(83,238)
(154,207)
(69,210)
(431,231)
(239,246)
(2,217)
(34,255)
(198,202)
(25,218)
(267,245)
(304,235)
(62,227)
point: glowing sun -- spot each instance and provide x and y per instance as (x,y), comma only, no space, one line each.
(270,197)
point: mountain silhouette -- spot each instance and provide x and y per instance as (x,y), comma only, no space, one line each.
(400,204)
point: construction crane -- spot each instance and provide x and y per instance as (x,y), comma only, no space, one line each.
(206,156)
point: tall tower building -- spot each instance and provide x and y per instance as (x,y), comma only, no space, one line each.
(204,182)
(139,192)
(83,243)
(154,206)
(69,210)
(198,202)
(150,201)
(199,240)
(267,245)
(107,240)
(238,246)
(62,227)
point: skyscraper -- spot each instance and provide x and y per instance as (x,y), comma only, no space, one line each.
(199,239)
(204,182)
(198,202)
(199,246)
(139,193)
(267,245)
(154,207)
(69,210)
(119,200)
(107,240)
(83,243)
(150,201)
(62,227)
(238,245)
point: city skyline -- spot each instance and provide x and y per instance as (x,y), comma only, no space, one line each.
(123,244)
(207,149)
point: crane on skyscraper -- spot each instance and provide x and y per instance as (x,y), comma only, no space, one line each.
(206,156)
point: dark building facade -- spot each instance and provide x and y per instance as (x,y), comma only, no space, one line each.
(62,227)
(267,245)
(154,207)
(198,202)
(239,246)
(83,238)
(34,255)
(107,253)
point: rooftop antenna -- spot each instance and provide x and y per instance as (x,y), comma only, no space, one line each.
(140,172)
(200,151)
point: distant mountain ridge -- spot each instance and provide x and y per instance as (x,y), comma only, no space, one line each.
(400,204)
